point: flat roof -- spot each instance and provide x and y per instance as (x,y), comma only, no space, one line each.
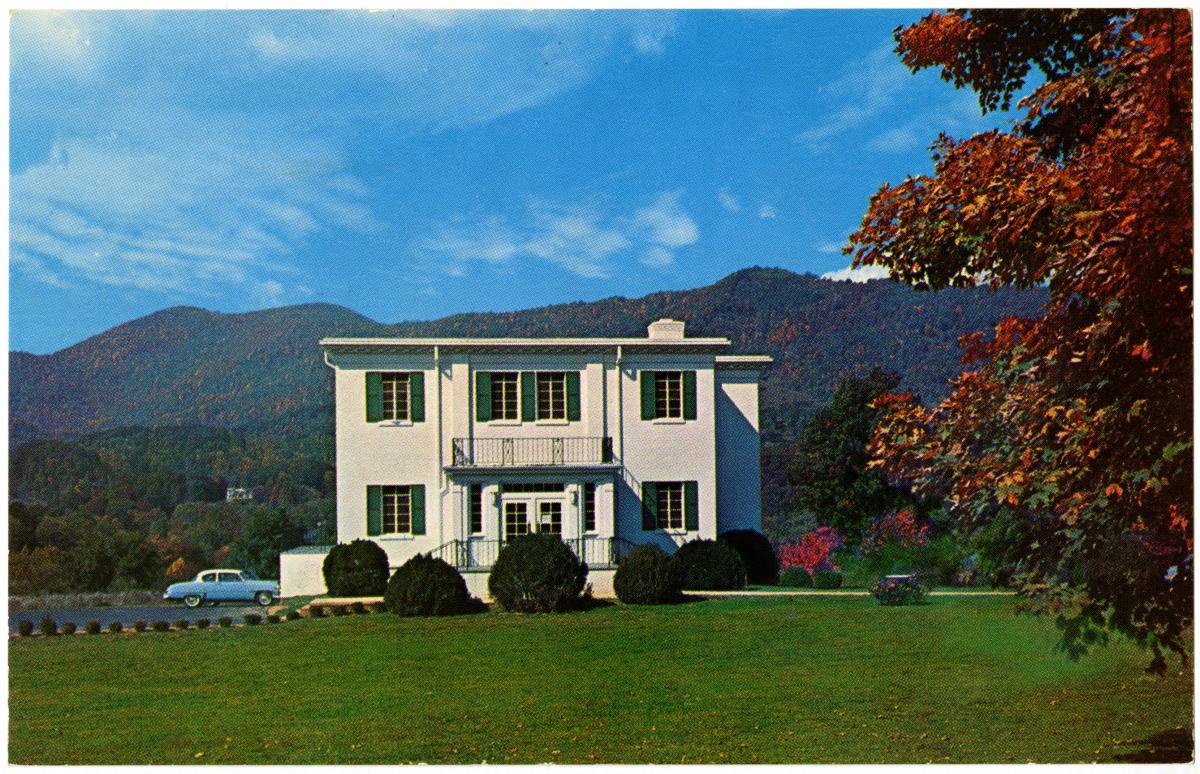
(529,342)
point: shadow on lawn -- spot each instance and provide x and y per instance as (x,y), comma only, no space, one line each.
(1174,745)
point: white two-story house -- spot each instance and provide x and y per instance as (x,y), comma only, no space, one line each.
(454,446)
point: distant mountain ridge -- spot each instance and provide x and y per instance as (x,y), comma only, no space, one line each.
(188,366)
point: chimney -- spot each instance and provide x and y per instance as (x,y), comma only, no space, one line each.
(666,328)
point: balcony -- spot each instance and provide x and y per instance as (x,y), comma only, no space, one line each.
(530,452)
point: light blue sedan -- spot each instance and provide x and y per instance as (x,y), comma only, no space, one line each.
(215,586)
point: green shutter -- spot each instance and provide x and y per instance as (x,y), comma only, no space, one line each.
(416,494)
(689,394)
(374,510)
(573,413)
(416,396)
(528,396)
(647,394)
(483,397)
(649,506)
(691,506)
(374,396)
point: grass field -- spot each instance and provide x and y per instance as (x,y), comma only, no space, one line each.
(731,680)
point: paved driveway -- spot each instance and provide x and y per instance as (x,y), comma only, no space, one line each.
(127,615)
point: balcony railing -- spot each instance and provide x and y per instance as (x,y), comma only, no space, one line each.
(479,554)
(530,452)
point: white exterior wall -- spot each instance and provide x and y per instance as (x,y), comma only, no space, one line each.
(301,575)
(739,477)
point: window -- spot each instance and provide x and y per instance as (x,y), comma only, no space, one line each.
(589,507)
(506,396)
(550,518)
(397,510)
(516,520)
(551,395)
(395,396)
(670,505)
(229,577)
(210,577)
(668,395)
(533,487)
(476,509)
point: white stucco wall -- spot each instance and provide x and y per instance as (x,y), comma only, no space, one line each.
(301,575)
(739,477)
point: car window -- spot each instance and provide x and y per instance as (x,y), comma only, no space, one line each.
(208,577)
(247,575)
(230,577)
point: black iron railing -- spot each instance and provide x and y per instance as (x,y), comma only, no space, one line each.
(531,452)
(596,552)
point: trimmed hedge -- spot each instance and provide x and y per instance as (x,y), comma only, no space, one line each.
(293,615)
(202,623)
(317,611)
(710,565)
(115,627)
(160,626)
(25,628)
(425,585)
(796,577)
(92,627)
(47,627)
(139,625)
(273,619)
(537,573)
(648,577)
(224,622)
(356,569)
(68,628)
(827,580)
(893,592)
(252,619)
(183,624)
(762,566)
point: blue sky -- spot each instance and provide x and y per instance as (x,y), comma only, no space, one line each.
(413,165)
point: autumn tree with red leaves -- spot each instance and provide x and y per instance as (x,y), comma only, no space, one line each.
(1068,453)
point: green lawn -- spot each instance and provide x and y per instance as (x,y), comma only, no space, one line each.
(816,679)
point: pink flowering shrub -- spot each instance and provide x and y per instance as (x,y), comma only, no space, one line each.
(814,552)
(895,526)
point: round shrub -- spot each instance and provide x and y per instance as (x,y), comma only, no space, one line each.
(316,611)
(183,624)
(762,566)
(202,623)
(537,573)
(339,610)
(252,619)
(377,607)
(293,615)
(426,586)
(358,608)
(356,569)
(796,577)
(224,622)
(139,625)
(709,565)
(115,627)
(160,626)
(48,627)
(827,580)
(68,628)
(92,627)
(896,590)
(273,619)
(648,577)
(25,628)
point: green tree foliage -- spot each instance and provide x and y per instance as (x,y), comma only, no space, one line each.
(268,534)
(829,475)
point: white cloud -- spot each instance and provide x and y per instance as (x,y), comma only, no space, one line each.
(195,212)
(580,238)
(729,201)
(829,248)
(768,212)
(861,274)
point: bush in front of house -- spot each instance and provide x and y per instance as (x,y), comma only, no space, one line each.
(203,623)
(68,628)
(317,611)
(648,577)
(356,569)
(425,585)
(796,577)
(224,622)
(895,591)
(358,608)
(827,580)
(25,628)
(183,624)
(710,565)
(762,566)
(139,625)
(339,610)
(252,619)
(92,627)
(160,626)
(47,627)
(293,615)
(273,619)
(115,627)
(537,573)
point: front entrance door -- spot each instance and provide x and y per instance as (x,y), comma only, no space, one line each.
(526,513)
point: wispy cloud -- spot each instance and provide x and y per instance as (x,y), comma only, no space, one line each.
(861,274)
(195,213)
(768,212)
(830,248)
(581,238)
(728,201)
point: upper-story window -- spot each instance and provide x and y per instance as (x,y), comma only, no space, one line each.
(668,394)
(551,395)
(527,396)
(395,396)
(506,396)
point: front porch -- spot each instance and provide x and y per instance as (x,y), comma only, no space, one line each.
(479,555)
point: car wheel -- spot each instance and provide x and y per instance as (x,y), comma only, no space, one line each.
(193,600)
(263,598)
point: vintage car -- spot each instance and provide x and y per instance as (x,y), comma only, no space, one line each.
(215,586)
